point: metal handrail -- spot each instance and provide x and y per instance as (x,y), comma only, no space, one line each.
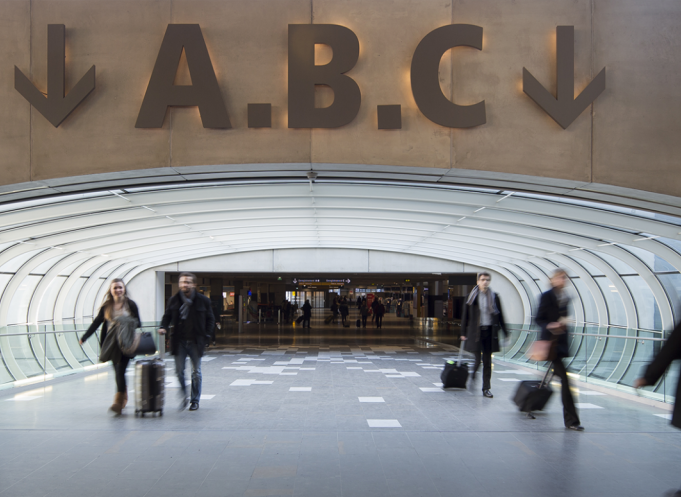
(600,336)
(29,333)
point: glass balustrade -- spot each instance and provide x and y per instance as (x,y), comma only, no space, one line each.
(609,356)
(36,352)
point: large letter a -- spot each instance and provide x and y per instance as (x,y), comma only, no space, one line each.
(204,91)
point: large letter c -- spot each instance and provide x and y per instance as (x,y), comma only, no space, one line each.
(425,83)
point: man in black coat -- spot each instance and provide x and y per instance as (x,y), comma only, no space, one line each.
(192,318)
(552,317)
(481,321)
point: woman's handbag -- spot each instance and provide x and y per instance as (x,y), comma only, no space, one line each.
(130,341)
(541,350)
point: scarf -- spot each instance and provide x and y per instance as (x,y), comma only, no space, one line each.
(492,298)
(186,304)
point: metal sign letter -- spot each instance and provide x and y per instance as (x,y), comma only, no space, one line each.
(303,75)
(425,82)
(204,91)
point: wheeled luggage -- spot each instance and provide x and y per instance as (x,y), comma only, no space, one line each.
(346,323)
(533,395)
(300,319)
(328,319)
(455,374)
(358,323)
(150,376)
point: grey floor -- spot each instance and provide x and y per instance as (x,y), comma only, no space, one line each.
(314,428)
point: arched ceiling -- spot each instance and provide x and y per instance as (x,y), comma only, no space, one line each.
(119,233)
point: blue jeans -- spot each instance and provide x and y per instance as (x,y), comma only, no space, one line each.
(187,348)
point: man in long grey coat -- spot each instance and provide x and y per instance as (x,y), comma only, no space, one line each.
(481,321)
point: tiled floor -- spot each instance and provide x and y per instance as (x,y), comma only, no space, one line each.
(323,414)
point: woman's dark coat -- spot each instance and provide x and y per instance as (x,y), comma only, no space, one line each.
(670,351)
(134,312)
(470,325)
(203,324)
(307,310)
(549,312)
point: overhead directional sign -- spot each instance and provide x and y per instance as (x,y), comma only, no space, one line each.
(56,106)
(564,108)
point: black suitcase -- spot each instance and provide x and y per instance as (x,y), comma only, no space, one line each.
(150,377)
(358,323)
(455,374)
(300,319)
(346,323)
(533,395)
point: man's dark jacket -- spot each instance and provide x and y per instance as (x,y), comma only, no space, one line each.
(204,321)
(549,312)
(670,350)
(470,325)
(134,313)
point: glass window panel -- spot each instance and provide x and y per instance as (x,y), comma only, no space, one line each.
(588,301)
(18,309)
(69,309)
(620,266)
(643,355)
(672,285)
(47,265)
(516,272)
(651,260)
(647,310)
(13,265)
(71,268)
(532,294)
(54,354)
(616,313)
(671,243)
(22,350)
(610,357)
(4,279)
(5,376)
(88,272)
(591,269)
(46,307)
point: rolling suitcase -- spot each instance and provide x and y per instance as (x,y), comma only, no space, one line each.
(150,376)
(300,319)
(358,323)
(346,323)
(328,319)
(533,395)
(455,374)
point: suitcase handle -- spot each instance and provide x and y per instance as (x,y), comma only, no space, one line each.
(545,381)
(460,354)
(161,346)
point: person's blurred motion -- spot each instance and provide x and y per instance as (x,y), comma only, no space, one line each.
(670,351)
(552,316)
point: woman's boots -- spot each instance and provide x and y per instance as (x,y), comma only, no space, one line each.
(118,402)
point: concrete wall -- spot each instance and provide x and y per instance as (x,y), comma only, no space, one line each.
(144,287)
(629,138)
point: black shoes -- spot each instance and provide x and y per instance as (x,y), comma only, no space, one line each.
(194,406)
(576,427)
(488,394)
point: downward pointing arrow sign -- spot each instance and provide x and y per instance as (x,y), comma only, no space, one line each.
(565,108)
(56,106)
